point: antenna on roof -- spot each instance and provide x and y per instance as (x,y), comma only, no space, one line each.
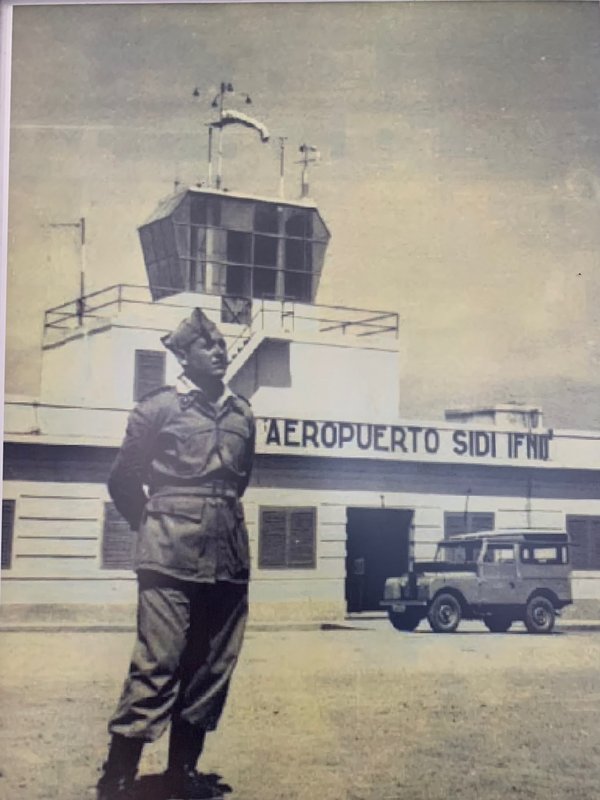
(310,155)
(80,225)
(228,117)
(282,141)
(467,496)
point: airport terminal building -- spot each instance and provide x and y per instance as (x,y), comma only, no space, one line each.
(344,492)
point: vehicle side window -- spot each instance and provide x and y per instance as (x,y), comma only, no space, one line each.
(499,554)
(535,554)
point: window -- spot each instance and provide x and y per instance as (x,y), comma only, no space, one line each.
(295,254)
(265,251)
(299,223)
(499,554)
(117,540)
(454,553)
(237,310)
(239,247)
(237,280)
(457,522)
(585,540)
(287,538)
(8,526)
(266,218)
(297,287)
(265,283)
(197,210)
(543,554)
(149,372)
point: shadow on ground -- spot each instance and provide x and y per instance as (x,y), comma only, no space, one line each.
(153,787)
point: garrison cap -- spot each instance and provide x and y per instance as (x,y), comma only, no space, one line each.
(190,329)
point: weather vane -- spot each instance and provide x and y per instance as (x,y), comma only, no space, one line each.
(228,117)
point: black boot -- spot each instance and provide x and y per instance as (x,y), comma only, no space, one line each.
(119,769)
(183,782)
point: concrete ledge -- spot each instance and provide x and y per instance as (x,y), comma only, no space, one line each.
(582,616)
(122,618)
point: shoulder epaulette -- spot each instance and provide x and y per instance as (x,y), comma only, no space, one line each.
(243,399)
(155,392)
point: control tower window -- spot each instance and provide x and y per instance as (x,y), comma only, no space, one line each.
(222,244)
(264,283)
(197,211)
(237,215)
(213,212)
(239,247)
(298,268)
(296,254)
(298,286)
(265,251)
(239,252)
(299,224)
(266,218)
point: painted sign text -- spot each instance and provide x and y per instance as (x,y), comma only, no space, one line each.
(406,439)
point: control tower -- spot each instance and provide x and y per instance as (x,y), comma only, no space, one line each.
(253,264)
(235,246)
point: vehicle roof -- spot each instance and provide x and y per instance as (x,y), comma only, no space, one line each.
(514,535)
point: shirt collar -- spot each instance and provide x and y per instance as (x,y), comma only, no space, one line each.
(184,386)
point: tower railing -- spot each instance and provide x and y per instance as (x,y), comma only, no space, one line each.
(97,309)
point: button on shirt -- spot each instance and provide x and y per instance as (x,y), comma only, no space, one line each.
(194,457)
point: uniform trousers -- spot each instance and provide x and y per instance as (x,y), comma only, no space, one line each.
(189,637)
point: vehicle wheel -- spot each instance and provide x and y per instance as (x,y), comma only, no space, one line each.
(444,613)
(404,620)
(497,623)
(539,615)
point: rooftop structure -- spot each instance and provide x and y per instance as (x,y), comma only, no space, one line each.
(235,246)
(505,415)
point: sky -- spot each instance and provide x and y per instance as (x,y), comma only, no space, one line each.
(459,142)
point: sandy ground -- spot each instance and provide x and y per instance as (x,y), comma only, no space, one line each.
(363,714)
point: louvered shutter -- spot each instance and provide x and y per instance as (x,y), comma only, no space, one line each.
(149,372)
(594,539)
(236,310)
(8,524)
(584,532)
(272,538)
(480,521)
(457,522)
(117,540)
(578,531)
(301,538)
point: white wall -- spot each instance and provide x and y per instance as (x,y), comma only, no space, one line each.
(58,537)
(323,379)
(94,366)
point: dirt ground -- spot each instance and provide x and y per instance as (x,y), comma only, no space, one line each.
(361,714)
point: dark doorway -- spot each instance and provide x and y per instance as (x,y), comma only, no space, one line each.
(377,547)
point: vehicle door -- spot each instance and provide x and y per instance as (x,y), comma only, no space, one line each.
(545,565)
(498,574)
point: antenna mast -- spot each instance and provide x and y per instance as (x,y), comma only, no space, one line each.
(80,224)
(310,155)
(282,141)
(218,102)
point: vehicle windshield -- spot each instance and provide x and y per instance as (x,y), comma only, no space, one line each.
(458,552)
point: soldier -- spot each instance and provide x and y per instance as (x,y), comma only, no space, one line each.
(192,446)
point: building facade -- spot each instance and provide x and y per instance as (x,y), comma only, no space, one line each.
(344,491)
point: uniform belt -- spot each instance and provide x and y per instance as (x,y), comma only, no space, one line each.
(215,488)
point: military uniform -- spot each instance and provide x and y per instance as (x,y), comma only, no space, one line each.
(178,478)
(191,554)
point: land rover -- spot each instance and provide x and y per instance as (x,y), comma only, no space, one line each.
(499,577)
